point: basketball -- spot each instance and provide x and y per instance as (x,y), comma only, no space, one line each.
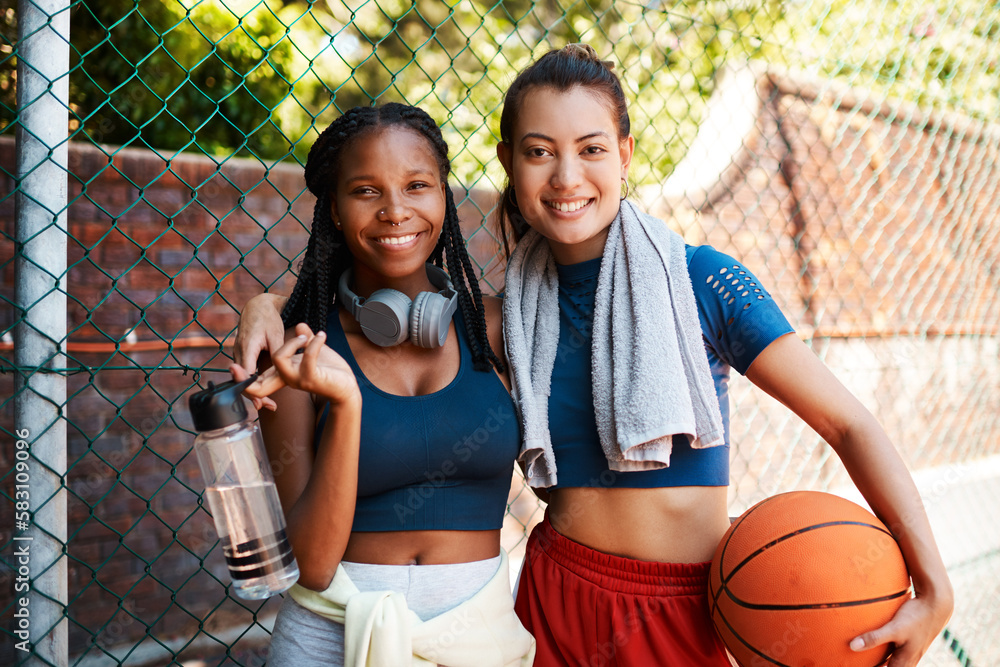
(801,574)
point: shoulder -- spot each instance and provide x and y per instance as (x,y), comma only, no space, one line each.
(705,260)
(707,268)
(739,317)
(493,310)
(493,307)
(716,274)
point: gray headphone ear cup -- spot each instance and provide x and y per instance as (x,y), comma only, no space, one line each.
(428,324)
(384,316)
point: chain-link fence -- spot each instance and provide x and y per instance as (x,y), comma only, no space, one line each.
(845,150)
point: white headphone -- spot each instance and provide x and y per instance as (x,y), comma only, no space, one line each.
(388,317)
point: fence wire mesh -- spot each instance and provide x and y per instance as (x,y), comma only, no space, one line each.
(845,150)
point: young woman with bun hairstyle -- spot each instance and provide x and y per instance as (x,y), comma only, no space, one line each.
(620,340)
(385,368)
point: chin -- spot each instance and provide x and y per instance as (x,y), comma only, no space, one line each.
(579,236)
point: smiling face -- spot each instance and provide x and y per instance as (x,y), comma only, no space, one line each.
(566,163)
(389,201)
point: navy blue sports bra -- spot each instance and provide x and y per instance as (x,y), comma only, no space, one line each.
(738,320)
(442,461)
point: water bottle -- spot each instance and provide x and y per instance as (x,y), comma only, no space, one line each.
(241,493)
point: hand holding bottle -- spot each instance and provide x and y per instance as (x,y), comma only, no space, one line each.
(307,363)
(241,493)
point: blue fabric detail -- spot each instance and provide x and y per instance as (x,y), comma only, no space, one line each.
(736,326)
(442,461)
(739,318)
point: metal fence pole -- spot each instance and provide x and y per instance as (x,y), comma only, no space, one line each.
(40,201)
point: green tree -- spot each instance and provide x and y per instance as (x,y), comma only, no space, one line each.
(8,63)
(207,76)
(256,77)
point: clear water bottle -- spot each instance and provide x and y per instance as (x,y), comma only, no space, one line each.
(241,493)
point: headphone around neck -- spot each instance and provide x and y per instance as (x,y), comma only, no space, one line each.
(388,317)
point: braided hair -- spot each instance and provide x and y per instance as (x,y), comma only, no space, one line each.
(327,254)
(561,69)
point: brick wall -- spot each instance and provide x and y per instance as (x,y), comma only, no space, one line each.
(169,250)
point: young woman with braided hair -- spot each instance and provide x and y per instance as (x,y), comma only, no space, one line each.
(392,434)
(327,255)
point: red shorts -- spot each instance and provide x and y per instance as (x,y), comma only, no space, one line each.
(588,608)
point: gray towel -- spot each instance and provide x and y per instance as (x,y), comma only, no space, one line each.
(650,373)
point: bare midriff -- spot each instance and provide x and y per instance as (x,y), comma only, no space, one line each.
(670,525)
(422,547)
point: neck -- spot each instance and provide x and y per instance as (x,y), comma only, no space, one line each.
(574,253)
(365,283)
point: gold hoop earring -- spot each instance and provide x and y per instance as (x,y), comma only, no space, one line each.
(513,199)
(625,193)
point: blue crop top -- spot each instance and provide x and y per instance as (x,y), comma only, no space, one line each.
(738,320)
(442,461)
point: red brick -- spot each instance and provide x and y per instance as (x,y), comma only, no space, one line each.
(171,179)
(8,156)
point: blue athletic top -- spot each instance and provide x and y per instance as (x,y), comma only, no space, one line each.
(738,320)
(442,461)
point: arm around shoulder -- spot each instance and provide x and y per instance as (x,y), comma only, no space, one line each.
(260,329)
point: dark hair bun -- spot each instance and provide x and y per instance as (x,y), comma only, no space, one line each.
(586,52)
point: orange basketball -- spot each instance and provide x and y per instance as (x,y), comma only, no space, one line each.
(801,574)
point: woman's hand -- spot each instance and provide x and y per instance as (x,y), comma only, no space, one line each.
(260,390)
(911,631)
(260,331)
(307,363)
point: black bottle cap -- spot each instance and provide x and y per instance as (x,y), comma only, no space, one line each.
(220,405)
